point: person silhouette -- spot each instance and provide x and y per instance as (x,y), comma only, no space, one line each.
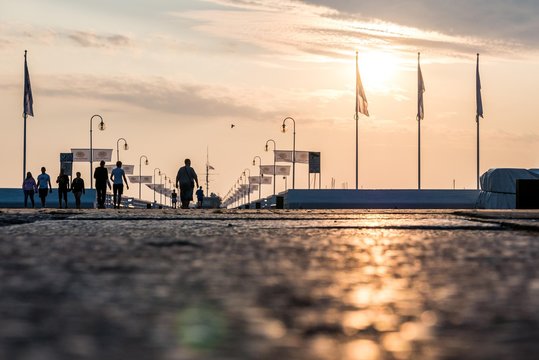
(200,197)
(63,186)
(185,180)
(101,176)
(118,177)
(77,187)
(42,181)
(29,187)
(174,198)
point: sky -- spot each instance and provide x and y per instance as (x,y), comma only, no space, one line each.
(172,76)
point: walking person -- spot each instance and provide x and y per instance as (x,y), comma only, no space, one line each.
(174,198)
(42,180)
(200,197)
(118,177)
(29,186)
(77,188)
(63,187)
(101,176)
(185,180)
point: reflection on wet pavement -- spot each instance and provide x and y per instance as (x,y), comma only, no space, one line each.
(260,285)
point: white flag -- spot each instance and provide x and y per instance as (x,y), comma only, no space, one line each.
(420,91)
(361,98)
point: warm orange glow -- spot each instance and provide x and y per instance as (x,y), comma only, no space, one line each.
(378,69)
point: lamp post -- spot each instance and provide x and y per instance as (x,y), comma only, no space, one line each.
(274,148)
(101,127)
(285,183)
(140,173)
(161,186)
(248,185)
(154,182)
(293,150)
(170,188)
(126,147)
(259,175)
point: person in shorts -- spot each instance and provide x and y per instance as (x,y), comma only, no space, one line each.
(42,181)
(118,177)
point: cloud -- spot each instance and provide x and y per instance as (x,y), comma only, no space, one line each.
(155,94)
(50,36)
(326,30)
(88,39)
(512,21)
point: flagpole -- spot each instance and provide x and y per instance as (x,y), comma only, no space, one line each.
(418,129)
(357,132)
(477,173)
(479,112)
(24,136)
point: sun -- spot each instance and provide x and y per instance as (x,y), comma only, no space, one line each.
(378,69)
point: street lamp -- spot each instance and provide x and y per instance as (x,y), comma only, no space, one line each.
(293,150)
(285,183)
(140,174)
(126,147)
(274,148)
(154,182)
(259,175)
(101,127)
(170,188)
(161,187)
(248,185)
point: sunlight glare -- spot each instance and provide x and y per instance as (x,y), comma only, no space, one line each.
(378,69)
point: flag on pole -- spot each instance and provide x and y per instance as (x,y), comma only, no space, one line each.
(28,99)
(478,91)
(420,91)
(361,98)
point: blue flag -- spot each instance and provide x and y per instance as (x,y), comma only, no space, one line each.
(28,99)
(478,91)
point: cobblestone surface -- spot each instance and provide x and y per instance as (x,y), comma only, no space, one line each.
(222,284)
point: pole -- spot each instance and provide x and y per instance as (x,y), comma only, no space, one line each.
(357,131)
(293,150)
(91,153)
(477,174)
(25,116)
(418,153)
(24,145)
(139,177)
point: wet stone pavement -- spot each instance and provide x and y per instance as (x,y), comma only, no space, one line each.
(223,284)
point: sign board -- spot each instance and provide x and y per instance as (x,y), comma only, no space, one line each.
(144,179)
(66,163)
(83,155)
(314,162)
(302,157)
(67,166)
(128,169)
(66,157)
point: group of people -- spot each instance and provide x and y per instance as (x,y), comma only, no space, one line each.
(185,181)
(43,187)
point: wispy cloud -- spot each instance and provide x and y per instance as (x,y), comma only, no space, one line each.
(513,21)
(156,94)
(52,35)
(292,27)
(88,39)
